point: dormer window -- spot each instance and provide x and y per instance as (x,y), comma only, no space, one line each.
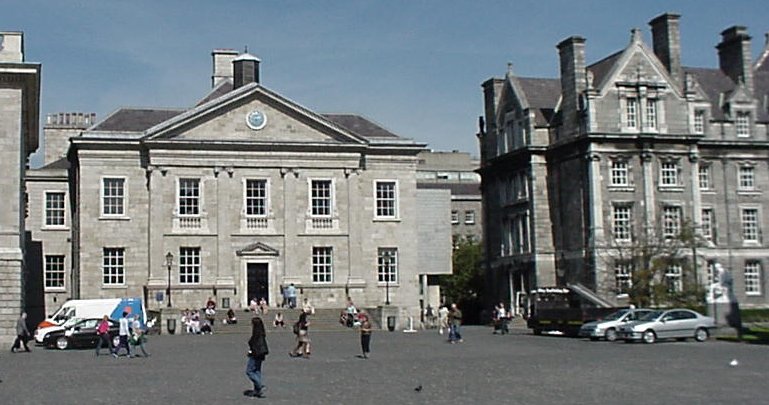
(651,114)
(742,124)
(699,121)
(631,113)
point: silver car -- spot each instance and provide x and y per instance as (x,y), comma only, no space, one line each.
(608,326)
(676,323)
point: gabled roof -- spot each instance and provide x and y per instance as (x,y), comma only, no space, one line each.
(224,87)
(715,84)
(134,119)
(360,125)
(602,68)
(542,96)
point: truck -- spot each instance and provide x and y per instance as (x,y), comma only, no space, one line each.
(564,310)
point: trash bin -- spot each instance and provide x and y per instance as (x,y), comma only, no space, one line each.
(171,324)
(391,323)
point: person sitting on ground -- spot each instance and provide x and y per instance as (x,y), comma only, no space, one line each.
(210,303)
(307,307)
(195,322)
(206,329)
(253,305)
(279,321)
(263,306)
(231,318)
(210,315)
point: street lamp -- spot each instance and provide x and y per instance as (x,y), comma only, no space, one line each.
(169,263)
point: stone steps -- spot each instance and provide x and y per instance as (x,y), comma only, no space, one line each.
(326,319)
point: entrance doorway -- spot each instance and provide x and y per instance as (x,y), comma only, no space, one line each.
(257,276)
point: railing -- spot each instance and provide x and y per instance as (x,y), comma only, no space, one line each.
(322,223)
(189,223)
(256,223)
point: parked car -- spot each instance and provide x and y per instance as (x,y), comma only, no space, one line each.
(676,323)
(607,327)
(42,333)
(81,334)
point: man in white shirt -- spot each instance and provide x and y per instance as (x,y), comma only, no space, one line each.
(124,333)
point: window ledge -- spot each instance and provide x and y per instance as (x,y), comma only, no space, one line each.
(55,289)
(753,294)
(114,287)
(386,219)
(114,218)
(54,228)
(749,192)
(751,243)
(622,188)
(671,189)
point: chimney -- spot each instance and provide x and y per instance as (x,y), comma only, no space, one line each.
(222,59)
(246,69)
(59,129)
(11,47)
(666,41)
(734,56)
(573,80)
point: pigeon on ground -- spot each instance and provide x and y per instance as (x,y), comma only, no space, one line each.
(418,388)
(734,363)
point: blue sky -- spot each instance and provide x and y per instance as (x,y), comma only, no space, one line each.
(413,66)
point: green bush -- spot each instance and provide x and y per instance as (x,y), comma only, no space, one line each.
(755,315)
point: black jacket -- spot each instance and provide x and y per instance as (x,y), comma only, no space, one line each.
(258,346)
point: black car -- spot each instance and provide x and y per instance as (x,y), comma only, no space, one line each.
(80,335)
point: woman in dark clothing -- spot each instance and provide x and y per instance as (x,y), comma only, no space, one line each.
(257,350)
(301,329)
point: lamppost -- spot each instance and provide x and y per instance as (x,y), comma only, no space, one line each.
(169,263)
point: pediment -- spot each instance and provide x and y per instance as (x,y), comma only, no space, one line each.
(739,95)
(638,64)
(258,249)
(226,120)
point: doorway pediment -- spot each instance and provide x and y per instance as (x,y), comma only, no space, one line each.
(258,249)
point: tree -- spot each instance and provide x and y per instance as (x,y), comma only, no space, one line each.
(655,268)
(465,285)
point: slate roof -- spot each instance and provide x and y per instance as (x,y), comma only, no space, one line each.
(542,95)
(603,67)
(360,125)
(59,164)
(218,91)
(456,188)
(135,119)
(761,84)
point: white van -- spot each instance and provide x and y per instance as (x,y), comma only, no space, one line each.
(83,309)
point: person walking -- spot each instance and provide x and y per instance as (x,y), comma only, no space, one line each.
(22,334)
(257,351)
(455,321)
(443,319)
(139,337)
(301,329)
(365,335)
(291,295)
(123,333)
(102,329)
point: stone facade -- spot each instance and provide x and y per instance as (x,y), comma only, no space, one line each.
(19,111)
(634,141)
(240,195)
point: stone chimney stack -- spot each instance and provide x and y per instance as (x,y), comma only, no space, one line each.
(222,59)
(666,40)
(734,56)
(11,47)
(59,129)
(246,69)
(573,81)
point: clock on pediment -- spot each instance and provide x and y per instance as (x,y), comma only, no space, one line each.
(256,120)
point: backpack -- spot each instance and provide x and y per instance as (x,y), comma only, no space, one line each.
(296,328)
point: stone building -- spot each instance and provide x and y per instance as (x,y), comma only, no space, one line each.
(632,142)
(455,171)
(235,198)
(19,114)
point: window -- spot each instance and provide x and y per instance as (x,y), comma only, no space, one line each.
(742,124)
(673,278)
(469,217)
(707,223)
(113,266)
(256,198)
(386,199)
(320,197)
(704,177)
(671,221)
(747,178)
(54,209)
(631,113)
(669,174)
(189,197)
(387,265)
(621,226)
(189,265)
(619,173)
(699,121)
(712,272)
(113,196)
(623,277)
(54,272)
(322,264)
(750,225)
(454,216)
(752,277)
(651,114)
